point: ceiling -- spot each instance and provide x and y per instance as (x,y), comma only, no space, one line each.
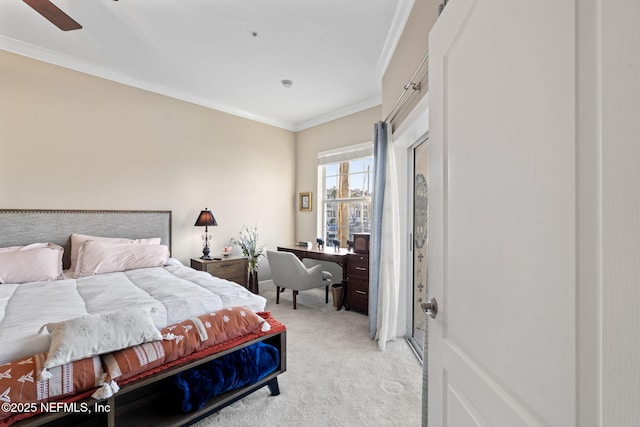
(230,55)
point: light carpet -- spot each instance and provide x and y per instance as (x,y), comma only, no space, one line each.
(336,375)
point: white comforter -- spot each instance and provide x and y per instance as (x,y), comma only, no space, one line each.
(174,292)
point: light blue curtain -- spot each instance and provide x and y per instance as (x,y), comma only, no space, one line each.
(379,170)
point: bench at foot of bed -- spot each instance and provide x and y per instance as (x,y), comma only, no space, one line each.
(144,402)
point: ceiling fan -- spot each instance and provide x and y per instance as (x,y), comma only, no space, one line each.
(56,16)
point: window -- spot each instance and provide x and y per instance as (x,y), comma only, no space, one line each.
(346,190)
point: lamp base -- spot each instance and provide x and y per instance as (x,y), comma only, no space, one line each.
(205,252)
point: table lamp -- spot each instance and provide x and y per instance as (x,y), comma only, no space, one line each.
(205,219)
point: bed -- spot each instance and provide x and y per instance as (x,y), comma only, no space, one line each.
(125,334)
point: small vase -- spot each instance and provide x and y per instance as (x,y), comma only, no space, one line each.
(252,284)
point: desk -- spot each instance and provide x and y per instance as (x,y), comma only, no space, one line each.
(328,254)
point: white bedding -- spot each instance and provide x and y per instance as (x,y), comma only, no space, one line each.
(174,292)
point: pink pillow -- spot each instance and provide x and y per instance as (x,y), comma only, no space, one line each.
(77,241)
(98,257)
(32,263)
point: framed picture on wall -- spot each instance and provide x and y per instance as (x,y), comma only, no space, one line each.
(305,201)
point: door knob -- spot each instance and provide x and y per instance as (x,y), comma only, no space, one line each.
(430,307)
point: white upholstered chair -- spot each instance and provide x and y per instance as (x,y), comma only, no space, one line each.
(288,272)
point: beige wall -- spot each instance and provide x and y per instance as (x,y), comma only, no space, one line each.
(72,141)
(411,48)
(353,129)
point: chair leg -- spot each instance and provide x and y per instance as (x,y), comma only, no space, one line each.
(295,294)
(277,294)
(326,295)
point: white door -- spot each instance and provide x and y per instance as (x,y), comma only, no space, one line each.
(502,215)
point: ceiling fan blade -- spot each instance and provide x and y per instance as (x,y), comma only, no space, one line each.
(56,16)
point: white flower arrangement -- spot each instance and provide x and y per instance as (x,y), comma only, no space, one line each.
(248,242)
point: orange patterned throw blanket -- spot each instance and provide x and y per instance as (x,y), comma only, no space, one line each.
(182,340)
(22,395)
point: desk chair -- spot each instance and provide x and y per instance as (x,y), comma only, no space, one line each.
(287,271)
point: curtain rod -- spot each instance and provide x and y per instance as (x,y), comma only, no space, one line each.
(411,85)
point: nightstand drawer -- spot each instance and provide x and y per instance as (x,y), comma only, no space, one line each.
(233,268)
(226,268)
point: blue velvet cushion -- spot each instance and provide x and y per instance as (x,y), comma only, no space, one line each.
(243,367)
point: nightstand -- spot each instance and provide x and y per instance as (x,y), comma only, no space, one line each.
(232,268)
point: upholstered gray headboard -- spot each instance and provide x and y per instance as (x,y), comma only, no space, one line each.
(22,227)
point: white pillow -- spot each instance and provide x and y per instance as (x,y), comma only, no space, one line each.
(26,247)
(96,257)
(31,263)
(77,240)
(95,334)
(17,248)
